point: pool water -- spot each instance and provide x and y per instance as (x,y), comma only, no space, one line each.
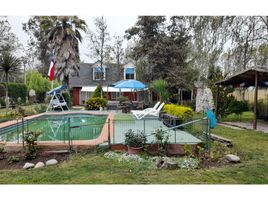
(56,128)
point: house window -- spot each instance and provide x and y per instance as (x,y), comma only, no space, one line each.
(130,73)
(97,73)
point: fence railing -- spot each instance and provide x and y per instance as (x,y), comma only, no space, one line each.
(192,132)
(70,130)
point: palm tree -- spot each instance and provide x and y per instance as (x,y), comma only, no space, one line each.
(9,64)
(160,87)
(63,35)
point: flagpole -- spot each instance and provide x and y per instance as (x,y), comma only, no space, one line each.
(52,84)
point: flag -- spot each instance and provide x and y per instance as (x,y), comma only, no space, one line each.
(51,70)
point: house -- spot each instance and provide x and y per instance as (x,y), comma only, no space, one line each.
(83,86)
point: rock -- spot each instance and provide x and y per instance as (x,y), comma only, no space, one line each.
(52,162)
(39,165)
(28,165)
(232,158)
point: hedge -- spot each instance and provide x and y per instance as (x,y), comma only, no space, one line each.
(182,112)
(16,90)
(95,103)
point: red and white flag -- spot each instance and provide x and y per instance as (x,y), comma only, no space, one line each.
(51,71)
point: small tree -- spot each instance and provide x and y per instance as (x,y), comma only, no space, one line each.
(98,91)
(9,64)
(160,87)
(98,44)
(31,149)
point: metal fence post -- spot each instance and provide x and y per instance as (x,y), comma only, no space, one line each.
(69,134)
(18,132)
(113,132)
(144,126)
(22,123)
(109,136)
(208,135)
(175,136)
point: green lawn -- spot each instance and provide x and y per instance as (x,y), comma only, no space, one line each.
(93,168)
(245,117)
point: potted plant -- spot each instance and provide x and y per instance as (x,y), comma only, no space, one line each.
(135,141)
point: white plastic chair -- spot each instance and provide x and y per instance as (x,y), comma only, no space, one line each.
(139,112)
(151,112)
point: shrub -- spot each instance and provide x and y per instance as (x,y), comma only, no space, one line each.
(17,91)
(67,98)
(262,109)
(97,92)
(182,112)
(2,103)
(133,139)
(161,138)
(31,148)
(237,107)
(121,99)
(2,90)
(95,103)
(13,159)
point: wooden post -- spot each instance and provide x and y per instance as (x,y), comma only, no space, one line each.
(255,101)
(216,101)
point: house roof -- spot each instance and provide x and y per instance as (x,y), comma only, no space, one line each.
(86,75)
(247,77)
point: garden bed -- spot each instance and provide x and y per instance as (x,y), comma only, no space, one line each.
(5,162)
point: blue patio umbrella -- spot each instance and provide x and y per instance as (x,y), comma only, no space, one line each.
(132,84)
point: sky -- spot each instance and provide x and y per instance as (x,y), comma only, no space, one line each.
(116,26)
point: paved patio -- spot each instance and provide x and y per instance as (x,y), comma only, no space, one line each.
(261,126)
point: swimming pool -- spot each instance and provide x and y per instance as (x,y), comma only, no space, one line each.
(57,128)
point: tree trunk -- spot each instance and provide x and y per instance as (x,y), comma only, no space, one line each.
(7,100)
(65,82)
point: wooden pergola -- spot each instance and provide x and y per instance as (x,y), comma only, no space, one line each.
(256,77)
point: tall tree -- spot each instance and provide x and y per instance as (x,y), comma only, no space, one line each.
(8,40)
(118,52)
(99,44)
(63,34)
(9,64)
(146,34)
(164,47)
(38,45)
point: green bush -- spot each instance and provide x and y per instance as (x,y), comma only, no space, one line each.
(2,102)
(97,92)
(262,109)
(13,159)
(95,103)
(121,99)
(31,147)
(17,92)
(133,139)
(2,90)
(237,107)
(182,112)
(67,98)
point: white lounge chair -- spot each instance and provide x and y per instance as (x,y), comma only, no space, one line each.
(151,112)
(139,112)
